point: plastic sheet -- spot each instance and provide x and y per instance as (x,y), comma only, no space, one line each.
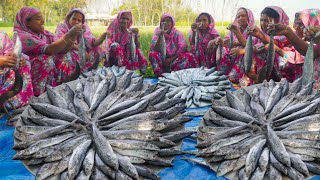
(182,169)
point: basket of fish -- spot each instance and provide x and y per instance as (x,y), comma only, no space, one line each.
(197,86)
(269,130)
(100,128)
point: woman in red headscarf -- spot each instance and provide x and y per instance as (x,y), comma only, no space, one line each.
(177,55)
(122,52)
(51,62)
(207,37)
(93,52)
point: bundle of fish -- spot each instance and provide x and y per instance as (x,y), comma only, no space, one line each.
(274,132)
(109,128)
(197,86)
(104,71)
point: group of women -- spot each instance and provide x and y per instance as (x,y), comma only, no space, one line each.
(51,59)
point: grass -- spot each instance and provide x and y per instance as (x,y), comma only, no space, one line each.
(146,33)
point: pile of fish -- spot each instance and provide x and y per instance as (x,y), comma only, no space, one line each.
(100,128)
(272,133)
(197,86)
(104,71)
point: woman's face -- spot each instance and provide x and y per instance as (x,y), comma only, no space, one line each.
(264,21)
(125,20)
(75,19)
(166,23)
(36,23)
(298,26)
(203,19)
(242,17)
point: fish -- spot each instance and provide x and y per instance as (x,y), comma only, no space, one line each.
(307,74)
(248,54)
(132,47)
(82,49)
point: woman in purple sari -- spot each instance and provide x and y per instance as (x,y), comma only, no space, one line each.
(121,50)
(7,75)
(177,56)
(207,37)
(51,61)
(303,20)
(93,52)
(231,63)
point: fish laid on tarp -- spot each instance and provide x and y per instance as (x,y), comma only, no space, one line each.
(280,139)
(107,126)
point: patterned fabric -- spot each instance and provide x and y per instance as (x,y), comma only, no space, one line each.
(205,36)
(123,39)
(7,76)
(45,69)
(184,61)
(95,53)
(234,66)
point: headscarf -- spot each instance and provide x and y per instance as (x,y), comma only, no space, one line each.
(251,23)
(212,32)
(309,17)
(175,42)
(283,17)
(29,39)
(64,28)
(114,28)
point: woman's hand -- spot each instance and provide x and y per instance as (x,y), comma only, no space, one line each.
(214,43)
(279,29)
(236,51)
(312,32)
(134,30)
(8,61)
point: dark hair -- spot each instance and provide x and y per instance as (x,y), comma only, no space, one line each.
(270,13)
(206,14)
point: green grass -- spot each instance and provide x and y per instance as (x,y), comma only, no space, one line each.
(145,37)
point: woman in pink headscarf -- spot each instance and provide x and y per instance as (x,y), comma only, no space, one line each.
(231,63)
(93,52)
(7,75)
(177,56)
(208,37)
(120,47)
(303,19)
(50,61)
(282,69)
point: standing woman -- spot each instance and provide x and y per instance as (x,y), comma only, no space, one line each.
(120,33)
(93,52)
(7,75)
(51,63)
(232,63)
(177,56)
(207,39)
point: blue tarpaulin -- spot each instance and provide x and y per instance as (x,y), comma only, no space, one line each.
(182,169)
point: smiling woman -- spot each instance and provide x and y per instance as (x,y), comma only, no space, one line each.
(51,63)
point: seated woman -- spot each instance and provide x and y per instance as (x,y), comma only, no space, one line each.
(51,61)
(231,64)
(7,75)
(308,17)
(283,67)
(207,38)
(93,52)
(177,57)
(120,47)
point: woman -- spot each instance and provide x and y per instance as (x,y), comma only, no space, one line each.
(93,51)
(231,64)
(7,75)
(177,57)
(282,67)
(305,18)
(207,38)
(51,63)
(120,46)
